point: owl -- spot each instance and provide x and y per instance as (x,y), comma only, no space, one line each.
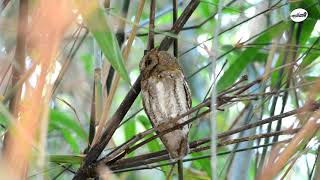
(166,95)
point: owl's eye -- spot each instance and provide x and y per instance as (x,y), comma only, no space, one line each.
(148,62)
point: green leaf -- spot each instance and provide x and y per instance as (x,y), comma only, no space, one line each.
(63,120)
(307,28)
(96,21)
(247,56)
(130,131)
(311,6)
(305,41)
(3,120)
(313,55)
(4,116)
(203,164)
(72,159)
(67,135)
(154,145)
(69,128)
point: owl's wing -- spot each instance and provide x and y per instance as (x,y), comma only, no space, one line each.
(188,96)
(146,100)
(188,93)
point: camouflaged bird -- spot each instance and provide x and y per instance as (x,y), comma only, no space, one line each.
(166,95)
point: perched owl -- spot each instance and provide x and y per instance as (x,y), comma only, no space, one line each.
(165,95)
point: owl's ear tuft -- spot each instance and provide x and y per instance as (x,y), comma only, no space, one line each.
(149,61)
(142,63)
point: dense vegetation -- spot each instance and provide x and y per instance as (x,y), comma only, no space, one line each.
(69,88)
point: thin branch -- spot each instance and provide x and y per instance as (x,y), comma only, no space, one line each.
(151,25)
(316,166)
(273,7)
(70,106)
(61,172)
(175,54)
(131,116)
(194,26)
(289,168)
(4,5)
(147,166)
(213,119)
(232,49)
(245,127)
(174,19)
(176,28)
(157,15)
(123,149)
(74,49)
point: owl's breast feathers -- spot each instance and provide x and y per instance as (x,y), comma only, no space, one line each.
(166,95)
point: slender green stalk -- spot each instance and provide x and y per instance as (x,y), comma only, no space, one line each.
(213,121)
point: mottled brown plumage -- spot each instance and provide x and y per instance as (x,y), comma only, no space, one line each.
(165,95)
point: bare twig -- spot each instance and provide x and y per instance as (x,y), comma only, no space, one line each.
(195,26)
(213,119)
(163,155)
(4,5)
(69,58)
(316,166)
(231,132)
(174,19)
(70,106)
(143,166)
(232,49)
(124,148)
(151,25)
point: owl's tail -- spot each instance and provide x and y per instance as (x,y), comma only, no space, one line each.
(176,144)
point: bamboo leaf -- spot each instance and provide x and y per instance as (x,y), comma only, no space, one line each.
(63,121)
(203,164)
(67,135)
(130,131)
(72,159)
(311,6)
(308,26)
(312,56)
(3,120)
(96,21)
